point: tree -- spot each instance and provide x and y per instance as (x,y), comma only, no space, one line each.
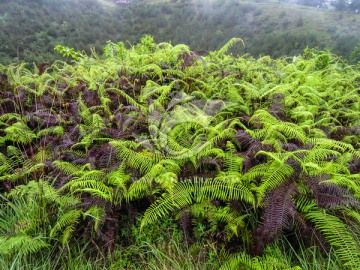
(341,5)
(355,6)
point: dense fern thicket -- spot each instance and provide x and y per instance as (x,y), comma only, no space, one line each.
(239,151)
(29,30)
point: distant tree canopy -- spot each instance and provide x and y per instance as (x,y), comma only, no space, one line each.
(29,30)
(352,6)
(312,3)
(355,5)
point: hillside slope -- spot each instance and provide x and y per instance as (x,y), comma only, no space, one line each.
(30,30)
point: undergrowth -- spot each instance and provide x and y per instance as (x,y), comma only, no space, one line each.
(157,157)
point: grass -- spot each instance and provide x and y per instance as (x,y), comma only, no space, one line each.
(311,258)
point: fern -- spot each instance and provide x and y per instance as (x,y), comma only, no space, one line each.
(66,223)
(164,172)
(22,244)
(244,261)
(337,235)
(185,192)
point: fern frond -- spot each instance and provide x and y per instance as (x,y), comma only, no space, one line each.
(228,45)
(21,244)
(67,168)
(244,261)
(20,133)
(164,173)
(97,214)
(186,192)
(134,159)
(337,235)
(353,215)
(275,128)
(276,174)
(67,219)
(335,145)
(129,99)
(91,182)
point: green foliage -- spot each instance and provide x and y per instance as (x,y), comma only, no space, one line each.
(68,52)
(355,55)
(337,235)
(30,30)
(236,151)
(198,190)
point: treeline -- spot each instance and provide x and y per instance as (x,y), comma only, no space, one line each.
(351,6)
(29,30)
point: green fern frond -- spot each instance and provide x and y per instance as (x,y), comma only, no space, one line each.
(157,71)
(335,145)
(276,174)
(164,173)
(348,181)
(129,99)
(67,168)
(239,261)
(244,261)
(228,45)
(66,234)
(186,192)
(233,163)
(118,178)
(97,214)
(90,182)
(9,117)
(274,128)
(337,235)
(21,244)
(353,215)
(134,159)
(67,219)
(20,133)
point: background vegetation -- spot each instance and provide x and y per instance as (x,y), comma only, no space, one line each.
(29,30)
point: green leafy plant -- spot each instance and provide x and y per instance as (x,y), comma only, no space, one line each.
(238,151)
